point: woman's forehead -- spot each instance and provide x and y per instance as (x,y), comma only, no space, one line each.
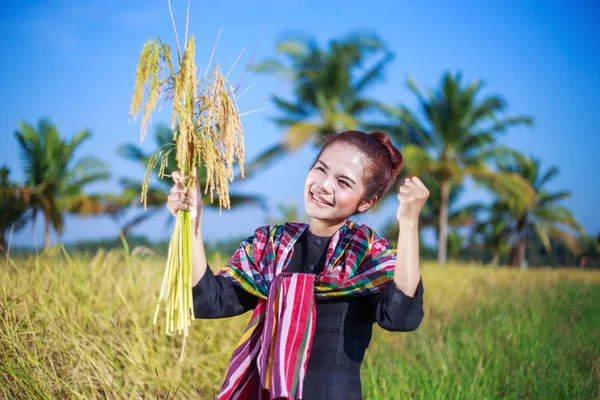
(343,157)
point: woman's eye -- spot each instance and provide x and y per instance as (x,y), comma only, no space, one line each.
(320,169)
(343,182)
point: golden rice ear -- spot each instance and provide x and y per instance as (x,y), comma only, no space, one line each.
(207,129)
(152,60)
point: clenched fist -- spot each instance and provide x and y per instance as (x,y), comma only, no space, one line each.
(412,195)
(182,198)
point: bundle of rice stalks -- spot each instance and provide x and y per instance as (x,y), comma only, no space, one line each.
(207,133)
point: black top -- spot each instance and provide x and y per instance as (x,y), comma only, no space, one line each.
(344,325)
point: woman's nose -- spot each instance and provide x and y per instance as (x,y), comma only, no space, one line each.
(325,186)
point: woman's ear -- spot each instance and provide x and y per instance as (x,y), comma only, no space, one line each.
(365,205)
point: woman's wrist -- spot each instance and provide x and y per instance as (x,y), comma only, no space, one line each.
(408,223)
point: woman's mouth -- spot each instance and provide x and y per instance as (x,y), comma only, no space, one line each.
(318,200)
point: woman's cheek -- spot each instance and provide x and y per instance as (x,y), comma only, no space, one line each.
(345,202)
(311,178)
(350,201)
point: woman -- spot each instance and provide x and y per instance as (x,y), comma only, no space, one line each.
(316,289)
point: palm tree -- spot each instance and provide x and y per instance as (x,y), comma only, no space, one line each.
(460,132)
(158,193)
(543,218)
(492,230)
(13,206)
(590,251)
(54,178)
(329,86)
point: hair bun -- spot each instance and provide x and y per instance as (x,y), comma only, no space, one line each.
(396,159)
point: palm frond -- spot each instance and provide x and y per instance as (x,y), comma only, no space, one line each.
(299,134)
(374,74)
(268,156)
(133,153)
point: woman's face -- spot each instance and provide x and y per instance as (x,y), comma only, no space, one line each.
(334,186)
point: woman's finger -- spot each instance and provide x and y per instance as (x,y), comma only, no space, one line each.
(176,175)
(175,205)
(420,184)
(185,207)
(171,209)
(418,189)
(405,197)
(405,189)
(176,188)
(408,182)
(179,188)
(414,184)
(175,199)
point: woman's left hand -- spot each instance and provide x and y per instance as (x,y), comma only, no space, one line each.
(412,195)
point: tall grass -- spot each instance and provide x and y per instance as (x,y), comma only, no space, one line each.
(81,327)
(491,334)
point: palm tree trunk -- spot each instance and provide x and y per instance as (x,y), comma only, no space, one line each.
(517,254)
(2,241)
(47,233)
(521,253)
(443,224)
(496,258)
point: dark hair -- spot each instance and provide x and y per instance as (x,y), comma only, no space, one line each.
(384,159)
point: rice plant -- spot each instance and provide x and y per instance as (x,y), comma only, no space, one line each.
(207,134)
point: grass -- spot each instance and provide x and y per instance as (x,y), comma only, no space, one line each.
(81,327)
(502,334)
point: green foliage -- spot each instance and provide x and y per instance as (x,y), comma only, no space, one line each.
(543,219)
(13,207)
(55,179)
(459,133)
(329,85)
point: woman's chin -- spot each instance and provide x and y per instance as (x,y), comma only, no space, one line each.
(312,212)
(319,213)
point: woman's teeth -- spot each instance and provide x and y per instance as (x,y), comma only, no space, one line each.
(320,201)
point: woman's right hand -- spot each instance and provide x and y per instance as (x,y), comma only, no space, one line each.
(182,198)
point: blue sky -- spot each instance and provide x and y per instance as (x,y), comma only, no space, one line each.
(74,63)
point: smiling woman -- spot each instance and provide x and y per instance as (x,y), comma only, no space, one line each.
(316,289)
(343,182)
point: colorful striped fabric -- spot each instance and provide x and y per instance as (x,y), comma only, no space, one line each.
(271,358)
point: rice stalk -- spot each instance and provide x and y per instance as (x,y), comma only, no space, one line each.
(207,133)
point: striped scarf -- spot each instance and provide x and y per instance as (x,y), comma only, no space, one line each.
(271,358)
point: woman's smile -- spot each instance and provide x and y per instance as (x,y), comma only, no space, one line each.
(320,201)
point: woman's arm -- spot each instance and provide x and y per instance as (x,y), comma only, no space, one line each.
(412,196)
(217,297)
(199,263)
(401,307)
(394,310)
(407,273)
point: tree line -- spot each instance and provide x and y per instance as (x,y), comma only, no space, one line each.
(451,135)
